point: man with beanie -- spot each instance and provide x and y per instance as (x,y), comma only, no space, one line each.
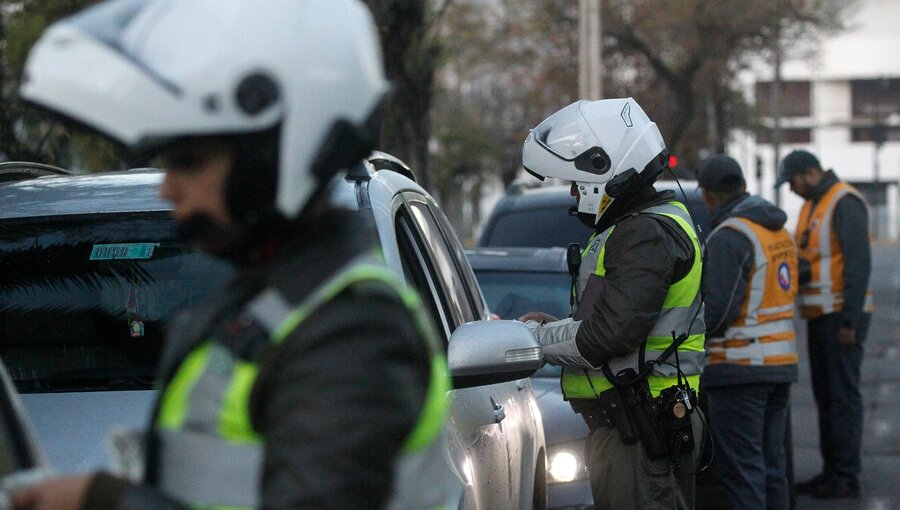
(835,264)
(751,284)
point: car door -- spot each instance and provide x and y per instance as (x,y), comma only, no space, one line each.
(488,421)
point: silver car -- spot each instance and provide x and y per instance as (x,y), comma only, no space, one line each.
(91,272)
(515,281)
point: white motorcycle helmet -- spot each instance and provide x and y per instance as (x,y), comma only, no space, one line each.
(609,148)
(149,72)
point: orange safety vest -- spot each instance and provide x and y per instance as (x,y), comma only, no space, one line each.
(763,333)
(819,246)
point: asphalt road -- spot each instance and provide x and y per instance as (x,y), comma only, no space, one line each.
(880,478)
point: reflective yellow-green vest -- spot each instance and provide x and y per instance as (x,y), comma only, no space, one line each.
(681,309)
(218,465)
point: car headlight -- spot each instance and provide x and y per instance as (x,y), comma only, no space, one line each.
(567,462)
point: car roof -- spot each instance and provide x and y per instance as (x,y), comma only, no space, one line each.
(551,192)
(108,192)
(547,260)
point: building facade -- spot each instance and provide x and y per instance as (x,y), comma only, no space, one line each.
(843,104)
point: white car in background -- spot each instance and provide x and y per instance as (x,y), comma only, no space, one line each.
(90,272)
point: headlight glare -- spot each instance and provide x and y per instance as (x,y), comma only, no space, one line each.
(564,466)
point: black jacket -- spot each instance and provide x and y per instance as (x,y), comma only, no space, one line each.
(334,402)
(645,254)
(729,262)
(850,224)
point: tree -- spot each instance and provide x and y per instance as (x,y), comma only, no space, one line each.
(686,55)
(25,133)
(411,55)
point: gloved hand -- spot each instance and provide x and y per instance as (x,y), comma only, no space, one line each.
(557,339)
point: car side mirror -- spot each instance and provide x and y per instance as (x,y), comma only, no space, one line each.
(490,352)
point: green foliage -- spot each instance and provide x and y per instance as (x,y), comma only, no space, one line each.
(27,134)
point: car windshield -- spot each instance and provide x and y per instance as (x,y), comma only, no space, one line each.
(84,300)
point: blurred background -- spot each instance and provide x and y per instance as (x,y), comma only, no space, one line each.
(752,79)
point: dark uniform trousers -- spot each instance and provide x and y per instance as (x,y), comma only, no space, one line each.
(627,479)
(835,371)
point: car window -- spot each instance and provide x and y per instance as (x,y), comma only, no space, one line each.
(84,300)
(458,254)
(511,294)
(420,273)
(538,227)
(460,302)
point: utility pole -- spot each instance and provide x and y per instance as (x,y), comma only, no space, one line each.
(879,136)
(590,83)
(775,104)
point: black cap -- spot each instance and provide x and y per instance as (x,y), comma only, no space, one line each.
(795,163)
(720,173)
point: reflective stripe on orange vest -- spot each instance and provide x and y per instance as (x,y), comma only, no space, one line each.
(819,246)
(763,333)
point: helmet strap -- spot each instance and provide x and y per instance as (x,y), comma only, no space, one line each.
(252,183)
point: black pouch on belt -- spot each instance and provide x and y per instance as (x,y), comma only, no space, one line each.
(643,411)
(607,410)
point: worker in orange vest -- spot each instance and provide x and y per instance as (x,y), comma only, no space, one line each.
(751,284)
(835,264)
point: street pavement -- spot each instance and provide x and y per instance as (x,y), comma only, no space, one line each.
(880,478)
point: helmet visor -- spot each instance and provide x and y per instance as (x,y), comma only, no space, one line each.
(566,133)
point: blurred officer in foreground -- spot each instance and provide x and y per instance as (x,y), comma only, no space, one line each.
(633,350)
(312,380)
(835,263)
(751,284)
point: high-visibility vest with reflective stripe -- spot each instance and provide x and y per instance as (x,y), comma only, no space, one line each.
(682,308)
(211,457)
(818,245)
(763,333)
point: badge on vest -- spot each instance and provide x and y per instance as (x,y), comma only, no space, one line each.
(784,276)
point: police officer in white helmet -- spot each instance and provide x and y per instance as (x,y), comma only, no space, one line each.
(632,352)
(313,379)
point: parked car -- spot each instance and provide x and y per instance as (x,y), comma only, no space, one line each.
(540,217)
(515,281)
(90,274)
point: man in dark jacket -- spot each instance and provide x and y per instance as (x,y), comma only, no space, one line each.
(835,263)
(751,284)
(637,290)
(312,380)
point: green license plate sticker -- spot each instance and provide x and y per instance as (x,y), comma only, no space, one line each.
(127,251)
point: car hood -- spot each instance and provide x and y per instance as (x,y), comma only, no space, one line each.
(561,424)
(72,427)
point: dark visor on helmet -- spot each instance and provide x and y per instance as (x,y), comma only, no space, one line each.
(594,160)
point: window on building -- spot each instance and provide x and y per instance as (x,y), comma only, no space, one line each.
(871,134)
(788,135)
(795,99)
(875,99)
